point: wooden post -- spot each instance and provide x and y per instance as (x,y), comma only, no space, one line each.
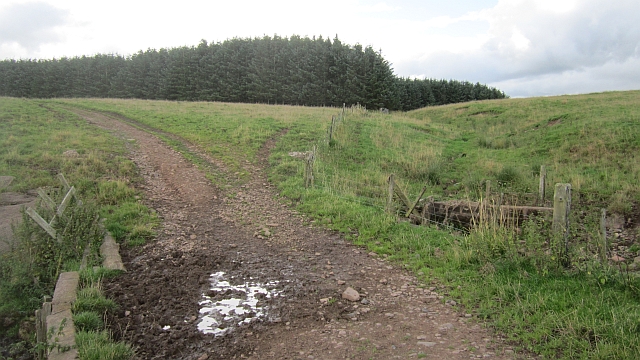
(561,209)
(43,223)
(488,190)
(603,231)
(390,207)
(308,171)
(543,180)
(333,121)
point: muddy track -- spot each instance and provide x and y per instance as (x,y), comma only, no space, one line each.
(296,271)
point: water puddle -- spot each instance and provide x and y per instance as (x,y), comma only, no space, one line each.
(227,306)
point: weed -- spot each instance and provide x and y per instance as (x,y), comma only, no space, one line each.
(88,321)
(91,299)
(98,346)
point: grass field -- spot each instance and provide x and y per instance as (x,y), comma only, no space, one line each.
(510,277)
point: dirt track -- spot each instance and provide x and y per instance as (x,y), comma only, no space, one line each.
(253,238)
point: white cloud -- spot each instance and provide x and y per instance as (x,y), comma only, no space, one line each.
(533,41)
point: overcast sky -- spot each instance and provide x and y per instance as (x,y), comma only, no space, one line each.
(523,47)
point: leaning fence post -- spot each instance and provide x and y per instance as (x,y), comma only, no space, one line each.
(543,179)
(488,190)
(390,207)
(561,208)
(603,231)
(416,202)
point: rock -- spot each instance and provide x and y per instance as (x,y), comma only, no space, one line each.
(421,337)
(636,259)
(70,154)
(5,181)
(193,236)
(451,303)
(445,327)
(616,258)
(365,301)
(203,357)
(324,300)
(426,343)
(351,294)
(341,282)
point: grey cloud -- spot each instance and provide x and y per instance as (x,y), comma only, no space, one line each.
(575,48)
(31,24)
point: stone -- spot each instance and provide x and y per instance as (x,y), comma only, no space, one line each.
(203,357)
(351,294)
(616,258)
(445,327)
(421,337)
(5,181)
(341,282)
(70,154)
(426,343)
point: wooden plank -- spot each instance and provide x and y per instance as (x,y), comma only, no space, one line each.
(48,201)
(43,224)
(65,201)
(416,202)
(64,182)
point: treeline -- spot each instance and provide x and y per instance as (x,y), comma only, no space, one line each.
(277,70)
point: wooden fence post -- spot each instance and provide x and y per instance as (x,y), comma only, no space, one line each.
(390,207)
(603,231)
(333,121)
(487,190)
(543,180)
(308,171)
(416,202)
(561,209)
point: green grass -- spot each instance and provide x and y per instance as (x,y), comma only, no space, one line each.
(89,309)
(34,136)
(99,346)
(512,279)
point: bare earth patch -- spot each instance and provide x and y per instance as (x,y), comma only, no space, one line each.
(281,277)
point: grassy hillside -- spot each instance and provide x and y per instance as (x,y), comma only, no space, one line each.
(510,277)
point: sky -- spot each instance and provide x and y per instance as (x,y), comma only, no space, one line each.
(523,47)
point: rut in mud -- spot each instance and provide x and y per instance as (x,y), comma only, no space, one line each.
(275,278)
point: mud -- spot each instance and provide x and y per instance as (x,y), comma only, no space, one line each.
(253,237)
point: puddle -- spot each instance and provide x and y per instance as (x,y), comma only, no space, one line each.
(225,306)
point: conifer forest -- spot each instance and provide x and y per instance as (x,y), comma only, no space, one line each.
(271,70)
